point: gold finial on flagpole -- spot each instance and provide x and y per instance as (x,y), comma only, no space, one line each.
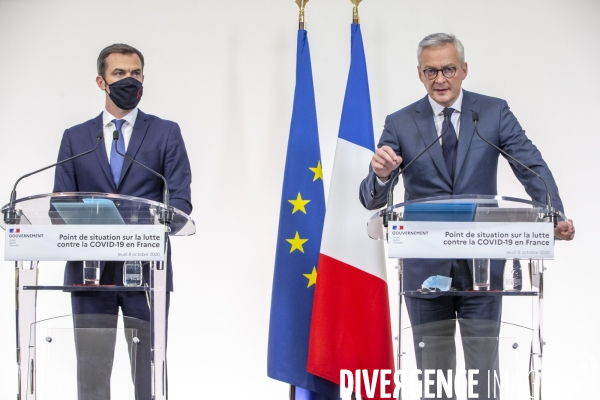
(301,4)
(355,17)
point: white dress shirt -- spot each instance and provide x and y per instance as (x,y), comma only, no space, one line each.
(109,128)
(438,119)
(438,116)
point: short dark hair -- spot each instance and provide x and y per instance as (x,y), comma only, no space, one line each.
(115,48)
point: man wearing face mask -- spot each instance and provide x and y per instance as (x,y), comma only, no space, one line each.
(152,141)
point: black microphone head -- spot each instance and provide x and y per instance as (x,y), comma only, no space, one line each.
(475,116)
(99,134)
(446,112)
(115,135)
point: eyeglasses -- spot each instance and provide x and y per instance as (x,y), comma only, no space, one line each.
(431,73)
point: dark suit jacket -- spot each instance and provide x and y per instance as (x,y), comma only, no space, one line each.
(411,129)
(155,142)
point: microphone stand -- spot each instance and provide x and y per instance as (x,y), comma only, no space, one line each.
(165,215)
(11,216)
(389,214)
(551,214)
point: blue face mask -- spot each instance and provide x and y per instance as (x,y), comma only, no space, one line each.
(126,93)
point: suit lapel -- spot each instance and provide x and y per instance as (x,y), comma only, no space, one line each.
(137,137)
(101,151)
(423,117)
(467,129)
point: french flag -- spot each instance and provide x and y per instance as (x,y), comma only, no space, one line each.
(350,326)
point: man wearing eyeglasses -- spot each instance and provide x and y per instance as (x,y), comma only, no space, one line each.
(461,164)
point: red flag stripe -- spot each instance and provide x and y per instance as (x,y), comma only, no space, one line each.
(351,325)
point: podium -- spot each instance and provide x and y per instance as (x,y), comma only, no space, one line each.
(90,226)
(469,227)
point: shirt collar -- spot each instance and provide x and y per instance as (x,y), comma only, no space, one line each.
(129,118)
(438,108)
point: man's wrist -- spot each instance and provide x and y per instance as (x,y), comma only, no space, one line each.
(383,181)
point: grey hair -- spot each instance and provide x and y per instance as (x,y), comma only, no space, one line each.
(439,40)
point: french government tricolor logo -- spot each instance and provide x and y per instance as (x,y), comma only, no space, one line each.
(14,230)
(398,227)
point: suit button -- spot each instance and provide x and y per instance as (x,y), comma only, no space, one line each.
(117,203)
(372,194)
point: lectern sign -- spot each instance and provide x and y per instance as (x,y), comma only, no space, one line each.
(426,239)
(84,242)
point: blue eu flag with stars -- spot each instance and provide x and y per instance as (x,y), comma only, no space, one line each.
(301,217)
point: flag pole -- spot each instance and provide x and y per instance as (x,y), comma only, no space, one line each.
(295,272)
(355,17)
(355,20)
(301,5)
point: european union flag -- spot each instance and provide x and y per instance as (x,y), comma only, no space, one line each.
(301,217)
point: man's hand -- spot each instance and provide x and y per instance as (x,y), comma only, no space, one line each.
(565,230)
(384,162)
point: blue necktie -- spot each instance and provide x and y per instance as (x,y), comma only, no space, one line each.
(449,142)
(116,161)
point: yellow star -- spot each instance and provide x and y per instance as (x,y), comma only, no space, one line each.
(312,277)
(297,243)
(318,171)
(299,204)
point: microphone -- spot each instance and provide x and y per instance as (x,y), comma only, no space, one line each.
(166,214)
(475,117)
(10,214)
(390,215)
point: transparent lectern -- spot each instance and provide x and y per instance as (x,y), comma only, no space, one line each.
(473,227)
(39,218)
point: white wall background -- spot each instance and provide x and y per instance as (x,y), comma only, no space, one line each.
(225,71)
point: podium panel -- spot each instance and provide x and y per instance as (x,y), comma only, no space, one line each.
(58,367)
(126,218)
(497,367)
(83,208)
(504,356)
